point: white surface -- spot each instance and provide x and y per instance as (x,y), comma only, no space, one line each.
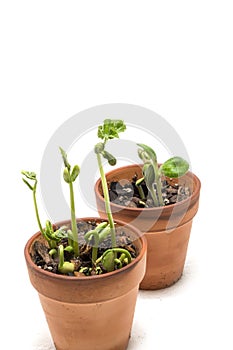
(174,57)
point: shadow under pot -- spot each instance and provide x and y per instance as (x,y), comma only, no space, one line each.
(89,312)
(166,228)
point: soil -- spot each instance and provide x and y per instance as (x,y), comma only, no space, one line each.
(126,193)
(42,258)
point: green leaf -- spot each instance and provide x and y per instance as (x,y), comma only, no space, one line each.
(101,226)
(28,184)
(120,125)
(143,155)
(29,174)
(149,174)
(174,167)
(75,173)
(110,158)
(108,260)
(53,251)
(66,175)
(104,233)
(149,151)
(139,181)
(111,129)
(66,268)
(64,157)
(49,226)
(69,249)
(60,234)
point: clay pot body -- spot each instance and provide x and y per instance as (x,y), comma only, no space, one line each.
(94,312)
(167,229)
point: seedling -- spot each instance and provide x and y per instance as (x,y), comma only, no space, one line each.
(109,130)
(152,173)
(69,177)
(96,236)
(52,237)
(64,266)
(109,258)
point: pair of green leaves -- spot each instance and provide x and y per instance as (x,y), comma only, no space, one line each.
(31,176)
(68,174)
(173,167)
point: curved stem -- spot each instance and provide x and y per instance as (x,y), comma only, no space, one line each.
(116,250)
(36,209)
(140,189)
(104,233)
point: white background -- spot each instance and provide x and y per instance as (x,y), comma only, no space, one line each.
(174,57)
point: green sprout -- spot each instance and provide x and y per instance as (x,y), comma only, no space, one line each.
(52,237)
(31,176)
(108,131)
(140,189)
(97,235)
(152,173)
(31,181)
(110,261)
(64,267)
(69,177)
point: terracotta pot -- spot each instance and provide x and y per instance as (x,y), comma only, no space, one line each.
(166,228)
(94,312)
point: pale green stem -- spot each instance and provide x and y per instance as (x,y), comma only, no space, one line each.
(107,200)
(153,195)
(94,254)
(36,209)
(61,256)
(158,184)
(73,221)
(95,246)
(140,191)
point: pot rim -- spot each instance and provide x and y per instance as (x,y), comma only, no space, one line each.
(51,275)
(194,196)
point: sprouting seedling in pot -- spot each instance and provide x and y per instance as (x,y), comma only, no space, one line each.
(64,267)
(152,173)
(48,232)
(109,259)
(108,131)
(96,236)
(70,176)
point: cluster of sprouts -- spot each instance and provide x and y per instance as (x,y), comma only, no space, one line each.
(114,257)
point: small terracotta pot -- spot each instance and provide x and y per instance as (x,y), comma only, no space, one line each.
(94,312)
(166,228)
